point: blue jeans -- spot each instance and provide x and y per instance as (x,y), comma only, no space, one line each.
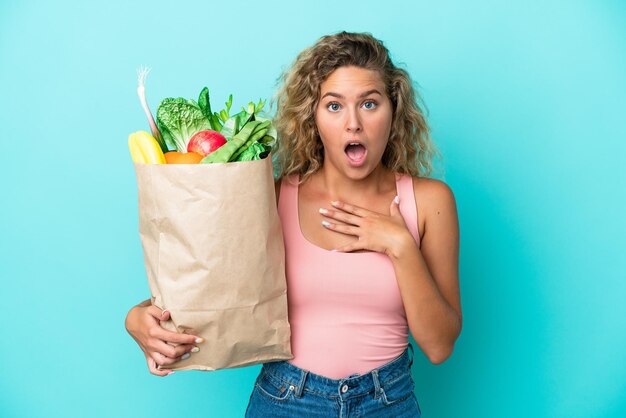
(284,390)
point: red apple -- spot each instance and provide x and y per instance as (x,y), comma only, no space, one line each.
(205,142)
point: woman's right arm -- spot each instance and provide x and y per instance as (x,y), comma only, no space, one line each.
(143,324)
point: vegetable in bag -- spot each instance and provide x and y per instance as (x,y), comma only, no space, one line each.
(178,120)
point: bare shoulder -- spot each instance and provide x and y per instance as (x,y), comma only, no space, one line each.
(436,205)
(433,196)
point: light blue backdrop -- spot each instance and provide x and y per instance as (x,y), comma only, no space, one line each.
(527,103)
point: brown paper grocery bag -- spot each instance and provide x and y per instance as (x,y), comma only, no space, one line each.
(214,255)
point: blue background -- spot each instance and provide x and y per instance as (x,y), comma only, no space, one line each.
(527,103)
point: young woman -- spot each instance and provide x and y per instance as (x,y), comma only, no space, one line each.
(371,243)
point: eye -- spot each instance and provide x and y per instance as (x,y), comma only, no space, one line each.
(370,104)
(333,106)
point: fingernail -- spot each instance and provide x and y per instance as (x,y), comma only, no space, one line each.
(334,203)
(199,340)
(326,224)
(195,350)
(323,211)
(185,356)
(397,200)
(334,251)
(172,372)
(164,311)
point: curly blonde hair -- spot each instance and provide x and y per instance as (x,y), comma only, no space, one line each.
(299,148)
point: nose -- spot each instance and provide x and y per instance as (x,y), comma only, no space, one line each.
(353,122)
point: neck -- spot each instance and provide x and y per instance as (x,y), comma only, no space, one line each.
(340,187)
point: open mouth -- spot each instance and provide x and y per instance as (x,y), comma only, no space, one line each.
(356,152)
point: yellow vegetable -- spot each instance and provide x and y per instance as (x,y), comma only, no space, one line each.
(144,148)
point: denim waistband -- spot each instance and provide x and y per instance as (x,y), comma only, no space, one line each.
(345,388)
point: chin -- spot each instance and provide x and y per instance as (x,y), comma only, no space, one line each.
(359,173)
(356,173)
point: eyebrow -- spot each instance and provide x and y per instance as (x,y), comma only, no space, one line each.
(365,94)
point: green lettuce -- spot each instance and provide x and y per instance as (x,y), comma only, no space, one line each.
(178,120)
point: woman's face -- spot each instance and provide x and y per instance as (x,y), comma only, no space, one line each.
(353,119)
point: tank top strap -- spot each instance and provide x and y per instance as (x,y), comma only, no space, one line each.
(287,189)
(288,207)
(408,208)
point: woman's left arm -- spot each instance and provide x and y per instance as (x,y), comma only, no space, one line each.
(428,276)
